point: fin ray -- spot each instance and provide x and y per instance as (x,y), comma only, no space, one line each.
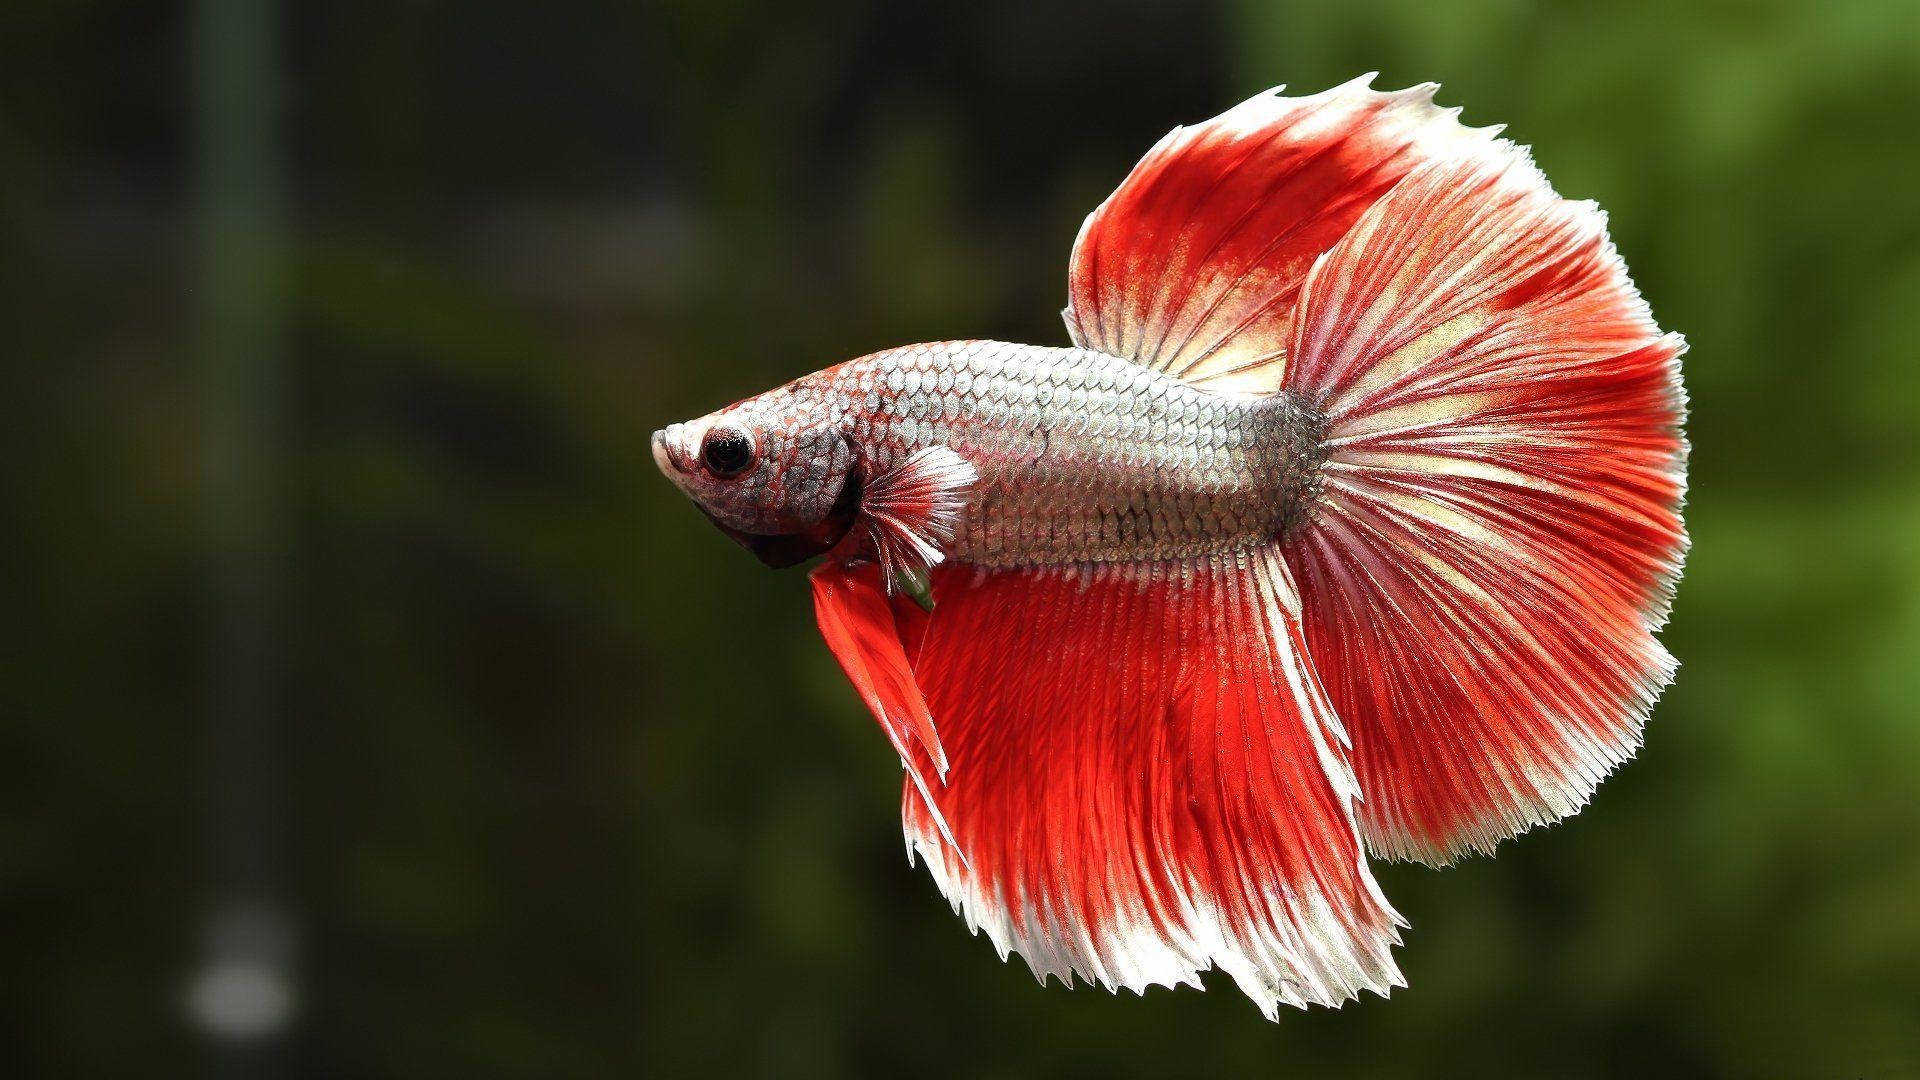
(1148,780)
(912,509)
(1193,265)
(1499,522)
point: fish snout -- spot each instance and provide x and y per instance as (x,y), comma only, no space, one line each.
(669,450)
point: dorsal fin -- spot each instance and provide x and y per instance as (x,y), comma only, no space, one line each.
(1193,266)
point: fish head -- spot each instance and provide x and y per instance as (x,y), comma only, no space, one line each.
(773,472)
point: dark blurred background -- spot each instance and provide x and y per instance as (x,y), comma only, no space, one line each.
(370,707)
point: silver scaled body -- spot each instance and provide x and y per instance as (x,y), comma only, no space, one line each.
(1083,457)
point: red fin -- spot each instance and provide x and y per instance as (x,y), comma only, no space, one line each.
(1194,264)
(912,509)
(858,621)
(1148,781)
(1499,529)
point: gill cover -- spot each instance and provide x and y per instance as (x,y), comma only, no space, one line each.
(781,550)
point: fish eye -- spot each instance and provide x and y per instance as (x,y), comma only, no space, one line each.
(726,451)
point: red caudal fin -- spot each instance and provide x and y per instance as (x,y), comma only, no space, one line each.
(1147,780)
(859,622)
(1193,265)
(1499,525)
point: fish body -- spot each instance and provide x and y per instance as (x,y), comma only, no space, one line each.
(1080,457)
(1341,529)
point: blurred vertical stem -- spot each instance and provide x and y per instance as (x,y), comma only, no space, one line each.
(243,994)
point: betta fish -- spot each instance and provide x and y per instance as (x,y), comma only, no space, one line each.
(1342,528)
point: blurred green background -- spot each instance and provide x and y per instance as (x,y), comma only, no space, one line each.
(372,708)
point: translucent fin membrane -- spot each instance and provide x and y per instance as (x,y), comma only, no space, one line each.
(911,510)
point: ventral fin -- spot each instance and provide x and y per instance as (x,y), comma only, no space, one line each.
(1147,780)
(1193,266)
(911,510)
(870,634)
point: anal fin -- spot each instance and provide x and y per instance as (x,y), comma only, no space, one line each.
(1147,780)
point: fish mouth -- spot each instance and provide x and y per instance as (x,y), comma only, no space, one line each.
(666,452)
(781,550)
